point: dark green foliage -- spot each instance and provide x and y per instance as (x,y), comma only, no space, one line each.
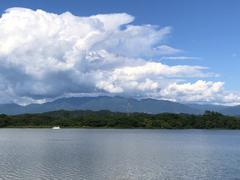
(107,119)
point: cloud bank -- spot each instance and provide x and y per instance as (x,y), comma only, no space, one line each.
(45,56)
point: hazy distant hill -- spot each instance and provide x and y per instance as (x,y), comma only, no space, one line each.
(232,110)
(227,110)
(209,107)
(117,104)
(12,109)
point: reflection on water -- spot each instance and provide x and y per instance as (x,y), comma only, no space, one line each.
(119,154)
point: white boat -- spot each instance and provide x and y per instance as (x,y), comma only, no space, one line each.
(56,127)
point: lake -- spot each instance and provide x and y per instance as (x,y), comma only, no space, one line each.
(124,154)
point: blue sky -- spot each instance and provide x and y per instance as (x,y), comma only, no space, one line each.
(205,29)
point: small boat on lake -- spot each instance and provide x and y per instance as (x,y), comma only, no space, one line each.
(56,127)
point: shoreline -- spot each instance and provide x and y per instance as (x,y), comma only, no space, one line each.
(38,127)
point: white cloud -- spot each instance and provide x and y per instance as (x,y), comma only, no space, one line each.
(180,58)
(199,91)
(45,56)
(167,50)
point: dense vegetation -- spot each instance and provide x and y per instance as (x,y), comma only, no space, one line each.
(107,119)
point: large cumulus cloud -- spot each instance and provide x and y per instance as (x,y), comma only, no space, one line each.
(45,56)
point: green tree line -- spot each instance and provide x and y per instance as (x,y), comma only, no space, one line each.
(107,119)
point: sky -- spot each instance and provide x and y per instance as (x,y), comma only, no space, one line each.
(185,51)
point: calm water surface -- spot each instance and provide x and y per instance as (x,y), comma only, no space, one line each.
(119,154)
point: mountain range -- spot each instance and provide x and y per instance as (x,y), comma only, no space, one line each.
(118,104)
